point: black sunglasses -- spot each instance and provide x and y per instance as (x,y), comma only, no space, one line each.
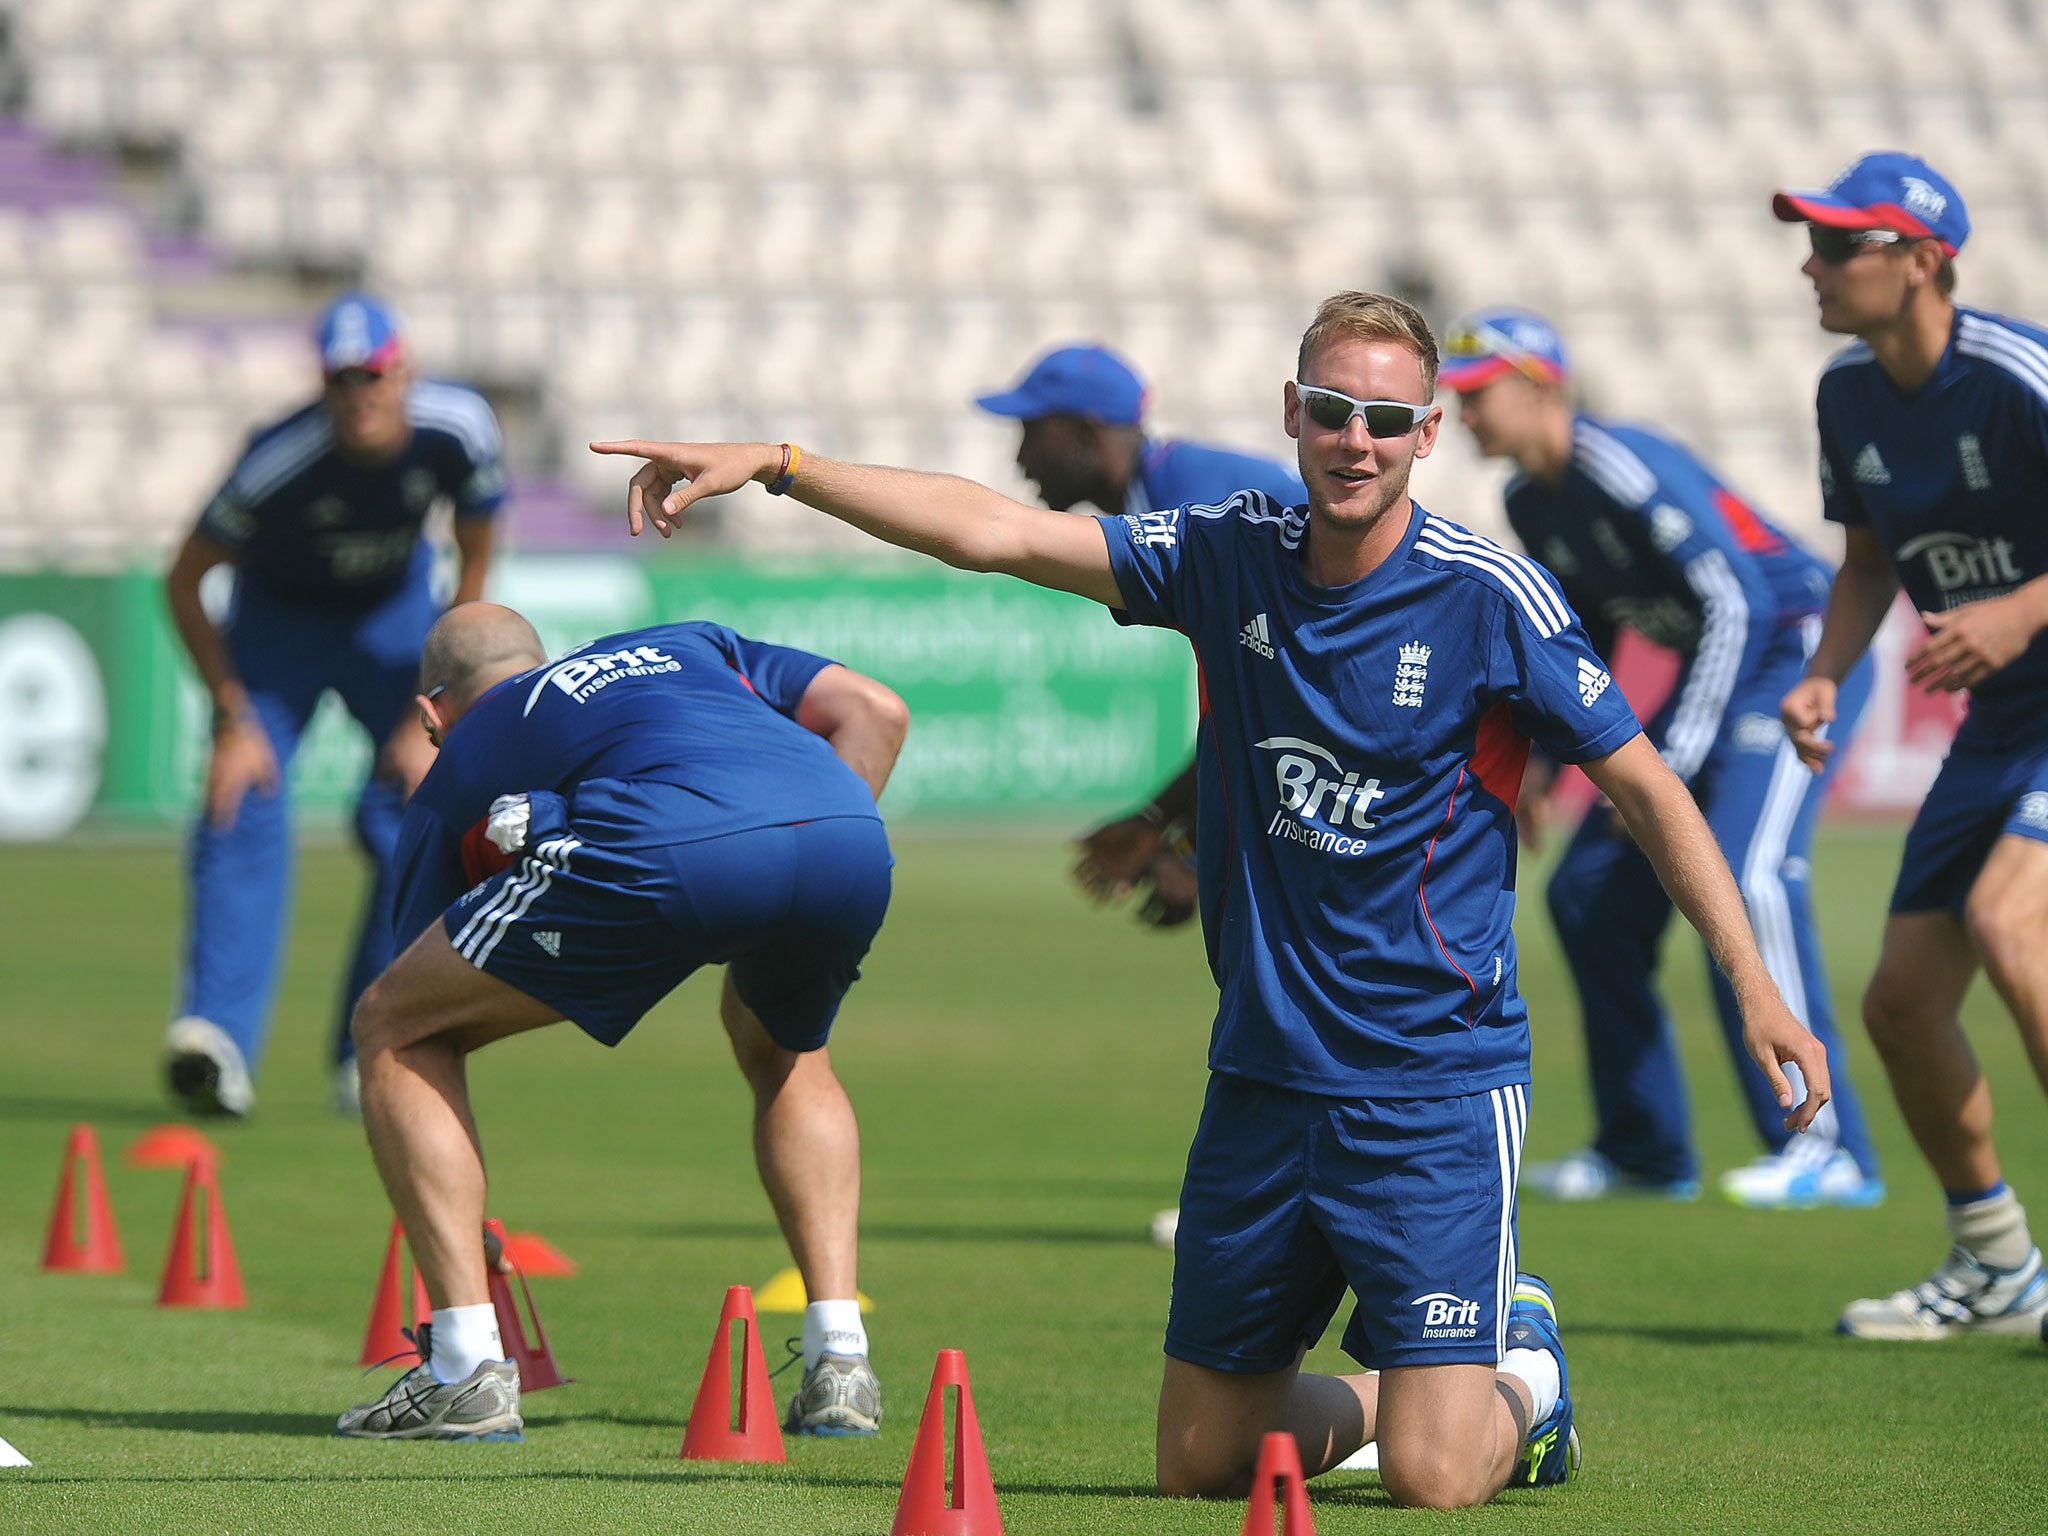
(1835,246)
(1333,411)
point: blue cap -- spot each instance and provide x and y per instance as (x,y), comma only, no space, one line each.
(1083,380)
(356,331)
(1884,190)
(1501,340)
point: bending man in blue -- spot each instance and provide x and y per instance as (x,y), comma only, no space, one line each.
(1357,779)
(593,831)
(1934,459)
(1641,534)
(321,523)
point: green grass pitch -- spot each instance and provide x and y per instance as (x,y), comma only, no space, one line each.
(1027,1073)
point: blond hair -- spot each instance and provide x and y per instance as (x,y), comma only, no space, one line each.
(1372,317)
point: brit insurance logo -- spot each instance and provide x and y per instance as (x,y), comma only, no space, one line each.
(582,675)
(1922,199)
(1322,803)
(1155,530)
(1449,1316)
(2032,810)
(1964,568)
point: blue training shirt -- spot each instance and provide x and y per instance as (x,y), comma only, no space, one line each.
(1953,478)
(1173,472)
(316,527)
(1359,754)
(1642,533)
(694,706)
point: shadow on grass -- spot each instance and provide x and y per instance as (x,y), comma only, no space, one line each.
(197,1421)
(1702,1337)
(914,1232)
(21,1106)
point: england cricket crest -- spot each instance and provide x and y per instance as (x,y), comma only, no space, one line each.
(1411,674)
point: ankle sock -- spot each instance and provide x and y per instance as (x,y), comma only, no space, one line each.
(463,1339)
(1992,1229)
(1536,1369)
(833,1326)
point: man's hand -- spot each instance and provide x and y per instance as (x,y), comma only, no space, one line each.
(1808,707)
(1533,812)
(1968,644)
(242,760)
(1174,892)
(676,475)
(1772,1036)
(1116,855)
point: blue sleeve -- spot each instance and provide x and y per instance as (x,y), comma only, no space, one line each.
(1839,500)
(1562,695)
(482,490)
(1736,604)
(1147,555)
(777,674)
(429,865)
(230,518)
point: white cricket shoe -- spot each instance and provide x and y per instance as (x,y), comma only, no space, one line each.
(1961,1296)
(1588,1175)
(205,1069)
(1165,1226)
(1805,1173)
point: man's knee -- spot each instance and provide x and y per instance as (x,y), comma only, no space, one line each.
(1188,1468)
(1434,1475)
(370,1025)
(2007,930)
(765,1065)
(1893,1013)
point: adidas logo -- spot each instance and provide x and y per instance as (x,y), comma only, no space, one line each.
(1592,682)
(1255,636)
(550,941)
(1869,468)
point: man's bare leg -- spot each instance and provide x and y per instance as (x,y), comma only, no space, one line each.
(1447,1436)
(2008,920)
(806,1146)
(414,1029)
(1910,1010)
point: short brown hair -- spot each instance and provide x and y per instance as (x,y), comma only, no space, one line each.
(1372,317)
(1945,276)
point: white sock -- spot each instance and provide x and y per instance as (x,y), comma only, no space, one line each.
(1536,1369)
(834,1326)
(1994,1230)
(463,1339)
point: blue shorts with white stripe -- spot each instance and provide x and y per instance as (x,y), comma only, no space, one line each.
(601,926)
(1292,1197)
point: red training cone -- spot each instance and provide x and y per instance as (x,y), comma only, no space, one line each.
(201,1272)
(715,1432)
(1279,1462)
(99,1252)
(533,1254)
(384,1338)
(170,1146)
(535,1360)
(924,1508)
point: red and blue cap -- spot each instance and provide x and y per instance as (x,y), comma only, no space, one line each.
(1499,341)
(1884,190)
(1082,380)
(357,331)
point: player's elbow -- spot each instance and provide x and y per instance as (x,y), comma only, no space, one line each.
(888,715)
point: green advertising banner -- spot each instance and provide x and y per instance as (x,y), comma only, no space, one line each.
(1021,700)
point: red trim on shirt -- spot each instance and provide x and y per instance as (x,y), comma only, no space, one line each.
(1422,896)
(1499,754)
(1749,530)
(481,857)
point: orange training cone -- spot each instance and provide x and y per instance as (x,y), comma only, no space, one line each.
(715,1433)
(1279,1462)
(201,1272)
(99,1253)
(384,1338)
(534,1255)
(924,1507)
(169,1146)
(535,1360)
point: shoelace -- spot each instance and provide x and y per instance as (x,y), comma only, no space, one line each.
(422,1341)
(795,1346)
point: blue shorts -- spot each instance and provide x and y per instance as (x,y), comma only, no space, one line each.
(1982,793)
(1291,1197)
(601,928)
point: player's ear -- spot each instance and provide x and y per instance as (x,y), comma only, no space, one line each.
(1290,409)
(1425,435)
(430,717)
